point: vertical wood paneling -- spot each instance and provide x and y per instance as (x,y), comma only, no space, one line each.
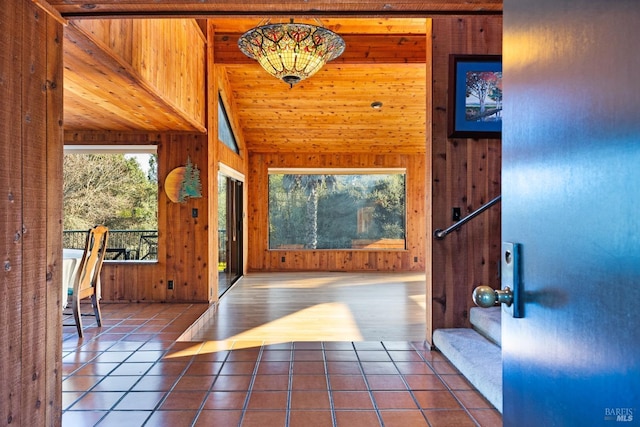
(188,265)
(212,160)
(117,34)
(257,213)
(167,60)
(34,268)
(466,174)
(172,241)
(260,258)
(231,159)
(12,49)
(186,236)
(53,365)
(121,37)
(30,216)
(182,239)
(166,57)
(428,179)
(165,233)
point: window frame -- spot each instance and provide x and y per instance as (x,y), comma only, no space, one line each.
(341,171)
(151,149)
(224,123)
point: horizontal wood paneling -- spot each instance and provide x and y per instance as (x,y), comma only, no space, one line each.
(466,174)
(260,258)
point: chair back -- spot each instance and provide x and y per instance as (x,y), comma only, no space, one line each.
(88,277)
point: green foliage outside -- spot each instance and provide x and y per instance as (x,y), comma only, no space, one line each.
(331,211)
(109,189)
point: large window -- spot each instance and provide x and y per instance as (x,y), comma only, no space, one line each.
(336,209)
(117,188)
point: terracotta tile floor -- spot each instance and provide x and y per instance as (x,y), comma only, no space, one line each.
(134,372)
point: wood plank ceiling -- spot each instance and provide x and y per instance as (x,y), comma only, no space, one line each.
(384,61)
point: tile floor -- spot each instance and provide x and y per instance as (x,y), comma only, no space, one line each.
(134,372)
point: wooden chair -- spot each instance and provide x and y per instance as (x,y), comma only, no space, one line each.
(87,280)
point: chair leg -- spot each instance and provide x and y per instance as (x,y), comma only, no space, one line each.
(96,309)
(77,315)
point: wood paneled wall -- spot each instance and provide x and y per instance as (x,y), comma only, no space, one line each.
(466,174)
(260,258)
(164,56)
(182,239)
(30,215)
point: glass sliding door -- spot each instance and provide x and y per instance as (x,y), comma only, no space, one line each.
(229,232)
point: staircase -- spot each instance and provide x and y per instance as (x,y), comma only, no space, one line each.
(476,352)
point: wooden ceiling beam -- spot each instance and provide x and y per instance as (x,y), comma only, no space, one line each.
(342,26)
(360,49)
(263,8)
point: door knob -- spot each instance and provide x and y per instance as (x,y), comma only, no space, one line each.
(486,296)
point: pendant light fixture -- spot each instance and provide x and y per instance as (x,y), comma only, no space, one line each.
(291,52)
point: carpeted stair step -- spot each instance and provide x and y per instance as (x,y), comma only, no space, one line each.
(477,358)
(487,321)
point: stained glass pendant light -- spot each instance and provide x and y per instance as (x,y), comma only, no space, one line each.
(291,52)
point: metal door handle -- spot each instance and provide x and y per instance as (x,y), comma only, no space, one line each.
(486,296)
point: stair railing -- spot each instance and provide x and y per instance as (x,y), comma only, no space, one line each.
(441,234)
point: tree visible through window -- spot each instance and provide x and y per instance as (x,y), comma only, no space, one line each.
(115,190)
(336,211)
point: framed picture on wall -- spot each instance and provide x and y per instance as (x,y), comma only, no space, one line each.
(475,96)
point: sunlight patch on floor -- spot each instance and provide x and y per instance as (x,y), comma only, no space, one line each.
(330,280)
(185,352)
(322,322)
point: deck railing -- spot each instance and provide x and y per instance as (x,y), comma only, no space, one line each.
(131,244)
(122,244)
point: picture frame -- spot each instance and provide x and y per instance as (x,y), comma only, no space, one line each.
(475,96)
